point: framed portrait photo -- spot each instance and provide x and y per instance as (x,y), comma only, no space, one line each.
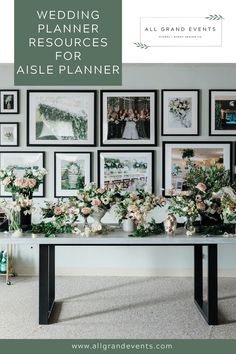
(130,170)
(9,134)
(20,161)
(222,105)
(73,170)
(176,156)
(9,102)
(180,112)
(129,118)
(61,118)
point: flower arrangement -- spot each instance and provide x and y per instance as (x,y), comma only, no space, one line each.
(228,201)
(179,106)
(202,197)
(58,217)
(11,210)
(25,185)
(92,199)
(136,205)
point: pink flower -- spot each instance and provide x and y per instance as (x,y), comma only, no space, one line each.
(96,202)
(31,182)
(200,206)
(201,186)
(19,182)
(86,211)
(58,211)
(133,196)
(100,190)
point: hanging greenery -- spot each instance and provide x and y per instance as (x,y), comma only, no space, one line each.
(79,122)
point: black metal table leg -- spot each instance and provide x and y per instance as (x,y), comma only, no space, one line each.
(198,275)
(51,276)
(46,282)
(212,290)
(209,310)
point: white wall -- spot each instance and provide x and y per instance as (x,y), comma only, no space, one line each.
(130,260)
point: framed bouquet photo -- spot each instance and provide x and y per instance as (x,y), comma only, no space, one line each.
(9,134)
(180,112)
(222,112)
(20,161)
(128,118)
(73,170)
(9,102)
(131,170)
(176,157)
(61,118)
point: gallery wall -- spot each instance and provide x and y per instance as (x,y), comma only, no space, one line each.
(130,261)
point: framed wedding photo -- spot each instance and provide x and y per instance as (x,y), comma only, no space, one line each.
(9,102)
(9,134)
(73,170)
(20,161)
(59,118)
(129,118)
(177,155)
(180,112)
(222,105)
(129,170)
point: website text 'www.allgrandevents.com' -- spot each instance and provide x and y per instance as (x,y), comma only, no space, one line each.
(122,346)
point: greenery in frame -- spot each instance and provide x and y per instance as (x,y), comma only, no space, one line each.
(72,169)
(79,121)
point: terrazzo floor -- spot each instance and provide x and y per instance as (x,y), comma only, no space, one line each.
(115,307)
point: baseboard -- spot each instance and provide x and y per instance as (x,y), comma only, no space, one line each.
(163,272)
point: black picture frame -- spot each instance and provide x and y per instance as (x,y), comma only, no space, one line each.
(56,195)
(16,107)
(17,134)
(75,143)
(197,114)
(151,153)
(211,133)
(188,146)
(43,166)
(153,128)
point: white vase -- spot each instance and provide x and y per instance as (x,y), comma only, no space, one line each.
(128,225)
(98,215)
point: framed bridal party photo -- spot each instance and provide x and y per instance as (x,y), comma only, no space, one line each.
(222,112)
(72,172)
(179,156)
(61,118)
(20,161)
(129,170)
(180,112)
(9,102)
(129,118)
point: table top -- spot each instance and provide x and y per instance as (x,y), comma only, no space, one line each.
(114,237)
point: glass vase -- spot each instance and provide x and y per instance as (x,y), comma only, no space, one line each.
(86,224)
(14,221)
(98,215)
(189,225)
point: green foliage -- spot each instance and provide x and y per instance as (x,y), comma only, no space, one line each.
(152,228)
(214,177)
(50,229)
(187,153)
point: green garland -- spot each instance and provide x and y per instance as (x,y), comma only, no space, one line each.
(79,122)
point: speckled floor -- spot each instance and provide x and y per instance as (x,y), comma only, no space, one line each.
(115,307)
